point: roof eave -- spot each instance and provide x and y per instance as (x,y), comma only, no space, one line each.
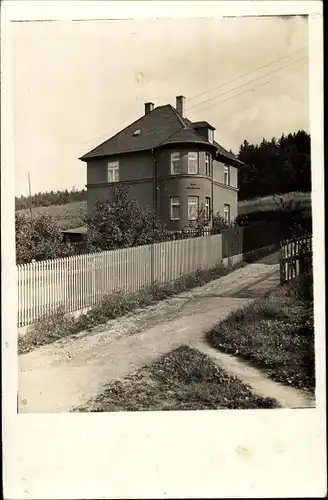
(109,155)
(203,125)
(236,162)
(179,143)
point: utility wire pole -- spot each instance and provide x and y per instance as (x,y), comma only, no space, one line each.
(30,196)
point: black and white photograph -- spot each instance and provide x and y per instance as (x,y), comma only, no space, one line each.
(163,215)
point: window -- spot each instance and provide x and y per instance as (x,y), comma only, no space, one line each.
(210,135)
(193,163)
(113,171)
(208,208)
(175,208)
(192,207)
(175,163)
(226,212)
(226,175)
(208,165)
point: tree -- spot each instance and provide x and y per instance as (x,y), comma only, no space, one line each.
(275,166)
(39,239)
(47,199)
(24,246)
(120,222)
(295,223)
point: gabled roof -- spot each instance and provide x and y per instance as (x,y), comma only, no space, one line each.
(221,151)
(202,124)
(161,126)
(186,135)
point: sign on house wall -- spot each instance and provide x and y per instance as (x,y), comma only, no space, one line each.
(192,185)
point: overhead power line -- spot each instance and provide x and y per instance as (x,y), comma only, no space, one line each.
(246,74)
(252,89)
(248,82)
(230,90)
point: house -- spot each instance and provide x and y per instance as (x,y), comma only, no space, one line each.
(170,164)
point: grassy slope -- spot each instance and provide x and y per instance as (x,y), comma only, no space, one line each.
(68,216)
(72,214)
(269,202)
(183,379)
(275,333)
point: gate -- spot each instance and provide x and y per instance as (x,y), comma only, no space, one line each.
(295,257)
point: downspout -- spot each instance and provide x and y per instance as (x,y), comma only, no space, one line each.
(212,192)
(155,184)
(152,263)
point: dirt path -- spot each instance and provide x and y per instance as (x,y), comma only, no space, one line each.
(66,374)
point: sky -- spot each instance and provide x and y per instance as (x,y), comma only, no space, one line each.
(77,83)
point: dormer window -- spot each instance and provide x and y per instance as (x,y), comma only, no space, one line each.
(210,135)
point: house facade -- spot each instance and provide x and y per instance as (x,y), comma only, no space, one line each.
(170,164)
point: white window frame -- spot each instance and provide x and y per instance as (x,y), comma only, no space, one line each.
(208,164)
(193,159)
(193,201)
(208,207)
(174,202)
(210,135)
(113,171)
(226,175)
(175,163)
(226,213)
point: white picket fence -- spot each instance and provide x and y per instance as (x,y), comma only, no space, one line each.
(82,281)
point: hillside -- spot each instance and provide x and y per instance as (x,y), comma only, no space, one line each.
(266,203)
(72,214)
(68,216)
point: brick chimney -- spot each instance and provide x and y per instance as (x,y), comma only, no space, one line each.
(180,105)
(149,106)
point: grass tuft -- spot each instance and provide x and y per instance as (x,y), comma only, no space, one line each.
(183,379)
(275,333)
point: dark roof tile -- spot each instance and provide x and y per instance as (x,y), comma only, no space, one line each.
(155,127)
(186,135)
(159,127)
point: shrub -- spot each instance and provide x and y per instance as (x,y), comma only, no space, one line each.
(39,239)
(121,222)
(219,224)
(48,329)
